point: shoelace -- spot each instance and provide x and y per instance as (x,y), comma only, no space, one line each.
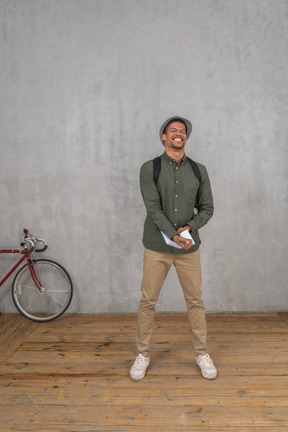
(140,360)
(207,359)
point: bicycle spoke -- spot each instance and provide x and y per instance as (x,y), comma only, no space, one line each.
(58,291)
(54,282)
(54,298)
(30,287)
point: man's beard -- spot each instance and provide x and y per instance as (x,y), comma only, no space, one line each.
(178,147)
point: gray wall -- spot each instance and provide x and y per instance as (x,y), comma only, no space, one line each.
(85,85)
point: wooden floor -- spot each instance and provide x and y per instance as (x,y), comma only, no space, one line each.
(72,375)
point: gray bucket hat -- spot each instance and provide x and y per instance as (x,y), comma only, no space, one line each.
(187,123)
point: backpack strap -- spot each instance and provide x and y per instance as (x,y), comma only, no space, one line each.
(197,173)
(195,169)
(156,168)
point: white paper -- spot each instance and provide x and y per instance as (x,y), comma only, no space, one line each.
(186,234)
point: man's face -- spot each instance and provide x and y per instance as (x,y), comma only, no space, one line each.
(175,135)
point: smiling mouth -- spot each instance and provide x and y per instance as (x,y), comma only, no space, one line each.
(177,139)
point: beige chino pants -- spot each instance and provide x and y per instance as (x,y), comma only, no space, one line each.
(155,269)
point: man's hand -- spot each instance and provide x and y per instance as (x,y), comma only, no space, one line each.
(187,227)
(183,242)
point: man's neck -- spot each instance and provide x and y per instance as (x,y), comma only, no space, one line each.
(175,154)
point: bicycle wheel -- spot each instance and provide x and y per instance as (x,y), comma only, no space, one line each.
(55,298)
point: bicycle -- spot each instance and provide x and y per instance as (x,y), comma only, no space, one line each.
(42,289)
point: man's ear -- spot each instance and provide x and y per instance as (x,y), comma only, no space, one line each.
(163,137)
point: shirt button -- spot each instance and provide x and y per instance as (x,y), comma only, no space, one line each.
(175,224)
(176,196)
(176,167)
(176,181)
(175,209)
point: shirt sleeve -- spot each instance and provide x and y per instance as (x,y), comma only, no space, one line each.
(205,206)
(152,200)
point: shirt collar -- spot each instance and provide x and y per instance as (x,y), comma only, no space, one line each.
(173,161)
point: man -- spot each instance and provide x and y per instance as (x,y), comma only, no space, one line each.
(170,209)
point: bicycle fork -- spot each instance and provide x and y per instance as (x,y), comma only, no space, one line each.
(35,279)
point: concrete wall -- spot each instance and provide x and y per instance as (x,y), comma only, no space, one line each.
(85,85)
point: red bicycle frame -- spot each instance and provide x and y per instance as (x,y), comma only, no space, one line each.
(30,265)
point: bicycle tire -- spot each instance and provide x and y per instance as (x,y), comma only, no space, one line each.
(57,295)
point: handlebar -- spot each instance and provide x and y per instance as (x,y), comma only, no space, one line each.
(28,238)
(44,247)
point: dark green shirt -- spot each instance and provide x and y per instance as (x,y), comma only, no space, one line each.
(170,205)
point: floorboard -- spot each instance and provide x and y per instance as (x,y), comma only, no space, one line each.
(72,374)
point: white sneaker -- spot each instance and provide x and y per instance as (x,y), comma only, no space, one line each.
(138,370)
(207,367)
